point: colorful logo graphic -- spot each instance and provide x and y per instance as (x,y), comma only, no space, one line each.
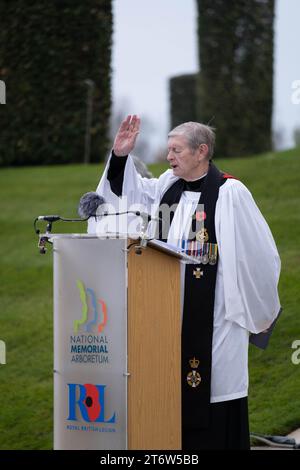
(84,318)
(90,403)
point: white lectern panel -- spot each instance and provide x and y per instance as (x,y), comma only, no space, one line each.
(90,343)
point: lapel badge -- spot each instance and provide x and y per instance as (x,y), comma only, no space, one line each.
(200,216)
(202,235)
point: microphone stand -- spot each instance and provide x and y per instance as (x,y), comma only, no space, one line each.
(45,237)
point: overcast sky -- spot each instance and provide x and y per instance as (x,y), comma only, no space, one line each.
(157,39)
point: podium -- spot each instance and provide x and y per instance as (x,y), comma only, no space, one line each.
(117,344)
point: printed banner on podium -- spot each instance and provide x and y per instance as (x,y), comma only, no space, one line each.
(90,350)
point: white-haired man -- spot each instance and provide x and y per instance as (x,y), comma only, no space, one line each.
(215,218)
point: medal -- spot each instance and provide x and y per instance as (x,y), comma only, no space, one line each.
(201,245)
(202,235)
(198,273)
(213,260)
(205,254)
(198,251)
(194,378)
(193,248)
(213,253)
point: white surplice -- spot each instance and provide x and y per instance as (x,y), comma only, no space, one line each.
(246,296)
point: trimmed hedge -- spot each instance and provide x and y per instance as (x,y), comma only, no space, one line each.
(183,99)
(236,57)
(234,90)
(47,51)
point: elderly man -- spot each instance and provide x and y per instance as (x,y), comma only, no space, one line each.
(215,218)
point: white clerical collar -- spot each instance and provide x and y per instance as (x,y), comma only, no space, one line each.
(196,179)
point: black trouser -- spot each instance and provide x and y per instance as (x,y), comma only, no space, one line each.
(229,428)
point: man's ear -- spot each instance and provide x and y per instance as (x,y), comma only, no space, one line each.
(203,150)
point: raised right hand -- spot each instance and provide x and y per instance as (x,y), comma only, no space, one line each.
(126,136)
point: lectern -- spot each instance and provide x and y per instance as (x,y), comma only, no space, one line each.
(117,343)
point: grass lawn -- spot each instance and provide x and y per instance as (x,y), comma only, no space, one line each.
(26,293)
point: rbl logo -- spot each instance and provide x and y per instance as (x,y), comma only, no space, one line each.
(90,403)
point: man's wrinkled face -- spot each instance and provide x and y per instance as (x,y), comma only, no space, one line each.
(183,160)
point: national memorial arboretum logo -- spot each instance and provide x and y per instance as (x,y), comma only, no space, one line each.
(95,322)
(89,344)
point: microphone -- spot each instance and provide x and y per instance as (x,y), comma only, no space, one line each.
(49,218)
(89,204)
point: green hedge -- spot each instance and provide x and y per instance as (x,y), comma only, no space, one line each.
(236,57)
(183,99)
(47,51)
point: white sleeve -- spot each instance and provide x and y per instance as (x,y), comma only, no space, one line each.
(250,260)
(135,188)
(138,193)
